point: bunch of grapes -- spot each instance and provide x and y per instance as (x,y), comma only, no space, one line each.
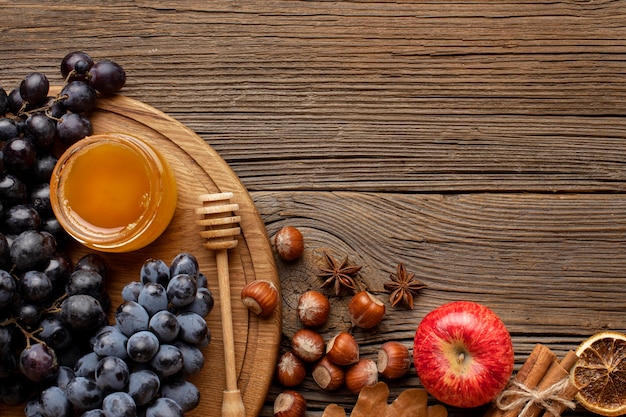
(45,318)
(43,300)
(140,364)
(40,118)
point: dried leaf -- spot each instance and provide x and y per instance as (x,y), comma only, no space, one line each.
(372,401)
(333,410)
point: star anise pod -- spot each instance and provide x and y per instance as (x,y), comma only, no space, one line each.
(338,274)
(403,287)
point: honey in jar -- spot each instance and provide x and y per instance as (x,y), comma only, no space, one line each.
(113,192)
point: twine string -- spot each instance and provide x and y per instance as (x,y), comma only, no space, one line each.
(548,399)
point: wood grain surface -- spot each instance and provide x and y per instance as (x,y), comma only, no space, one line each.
(482,143)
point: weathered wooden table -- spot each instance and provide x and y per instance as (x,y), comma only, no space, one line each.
(482,143)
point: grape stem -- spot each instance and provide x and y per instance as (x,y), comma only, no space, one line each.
(29,336)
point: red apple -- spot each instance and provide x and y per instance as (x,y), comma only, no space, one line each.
(463,354)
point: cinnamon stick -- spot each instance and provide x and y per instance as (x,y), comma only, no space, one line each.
(530,374)
(570,390)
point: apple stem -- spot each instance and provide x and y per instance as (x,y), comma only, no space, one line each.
(460,358)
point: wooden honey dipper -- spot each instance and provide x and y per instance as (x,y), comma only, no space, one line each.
(220,228)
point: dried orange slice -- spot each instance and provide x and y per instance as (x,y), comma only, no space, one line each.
(600,374)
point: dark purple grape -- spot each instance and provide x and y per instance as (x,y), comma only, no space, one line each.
(131,317)
(52,226)
(193,358)
(54,333)
(34,87)
(54,403)
(202,281)
(81,67)
(65,375)
(155,270)
(93,262)
(5,340)
(86,365)
(119,404)
(44,165)
(38,363)
(131,291)
(165,325)
(69,61)
(5,257)
(183,392)
(72,127)
(78,96)
(8,129)
(19,155)
(110,342)
(193,329)
(153,297)
(8,288)
(82,312)
(164,407)
(35,287)
(12,189)
(32,408)
(15,101)
(181,290)
(167,361)
(28,315)
(107,76)
(112,374)
(202,304)
(40,199)
(184,263)
(58,269)
(41,130)
(84,393)
(142,346)
(85,281)
(20,218)
(31,250)
(4,101)
(143,386)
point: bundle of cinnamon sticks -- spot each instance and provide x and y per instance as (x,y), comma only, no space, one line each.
(541,387)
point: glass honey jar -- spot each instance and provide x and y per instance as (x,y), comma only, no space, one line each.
(113,192)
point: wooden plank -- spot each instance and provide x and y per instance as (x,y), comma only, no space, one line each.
(480,141)
(549,265)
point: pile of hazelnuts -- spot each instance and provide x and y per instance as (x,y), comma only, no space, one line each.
(334,363)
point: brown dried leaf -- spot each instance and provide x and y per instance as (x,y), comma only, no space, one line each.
(333,410)
(372,401)
(412,402)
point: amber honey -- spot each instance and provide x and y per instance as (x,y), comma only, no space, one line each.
(113,192)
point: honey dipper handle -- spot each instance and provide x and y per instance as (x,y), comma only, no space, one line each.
(232,403)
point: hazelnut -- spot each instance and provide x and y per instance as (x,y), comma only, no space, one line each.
(308,345)
(366,310)
(327,375)
(289,404)
(313,308)
(343,349)
(394,360)
(289,243)
(261,297)
(290,370)
(362,374)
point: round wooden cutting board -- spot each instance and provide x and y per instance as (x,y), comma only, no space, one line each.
(199,170)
